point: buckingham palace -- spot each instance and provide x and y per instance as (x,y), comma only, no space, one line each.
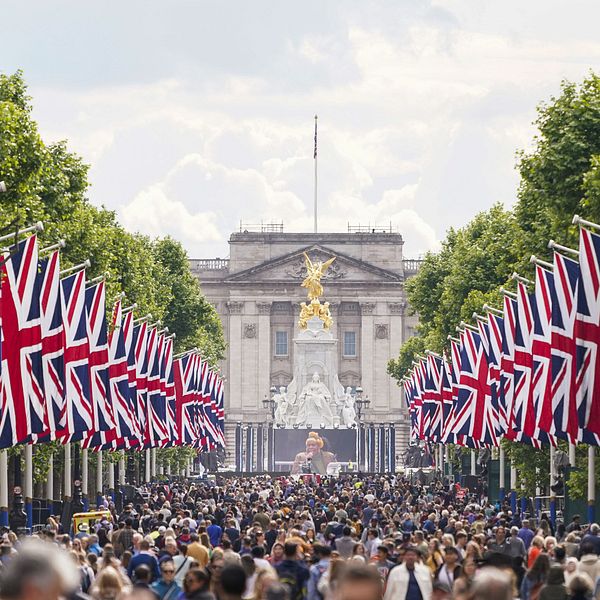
(257,294)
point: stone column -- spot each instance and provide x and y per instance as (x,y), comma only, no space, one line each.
(395,340)
(367,351)
(235,309)
(264,351)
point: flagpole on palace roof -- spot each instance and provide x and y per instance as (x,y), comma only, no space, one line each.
(315,157)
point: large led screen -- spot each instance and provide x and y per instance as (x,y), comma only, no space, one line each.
(321,451)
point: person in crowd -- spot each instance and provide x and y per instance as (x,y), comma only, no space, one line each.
(450,571)
(464,582)
(526,534)
(580,587)
(359,582)
(292,573)
(233,582)
(145,557)
(555,588)
(535,578)
(166,588)
(411,580)
(589,563)
(196,585)
(323,556)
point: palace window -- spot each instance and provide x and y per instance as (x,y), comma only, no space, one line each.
(349,343)
(281,343)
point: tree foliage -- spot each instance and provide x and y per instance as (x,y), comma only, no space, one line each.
(48,183)
(559,177)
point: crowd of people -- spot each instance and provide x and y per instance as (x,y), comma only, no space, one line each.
(353,537)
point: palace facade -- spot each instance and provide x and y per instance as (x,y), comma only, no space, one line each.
(257,294)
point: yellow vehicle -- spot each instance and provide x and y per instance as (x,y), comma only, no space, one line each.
(83,522)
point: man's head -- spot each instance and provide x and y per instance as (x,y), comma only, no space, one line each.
(195,580)
(383,552)
(142,574)
(359,582)
(171,546)
(500,533)
(491,583)
(38,572)
(290,550)
(451,556)
(411,556)
(167,570)
(233,580)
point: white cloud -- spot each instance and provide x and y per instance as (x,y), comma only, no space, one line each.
(420,113)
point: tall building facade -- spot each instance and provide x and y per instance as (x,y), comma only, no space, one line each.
(257,294)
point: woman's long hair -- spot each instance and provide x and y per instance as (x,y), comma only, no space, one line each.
(540,568)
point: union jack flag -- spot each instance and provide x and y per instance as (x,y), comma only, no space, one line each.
(587,333)
(129,336)
(104,420)
(140,349)
(523,366)
(22,408)
(453,368)
(432,398)
(80,414)
(216,437)
(186,398)
(560,417)
(53,345)
(168,391)
(542,352)
(419,379)
(120,391)
(495,335)
(156,418)
(447,401)
(490,348)
(474,415)
(507,366)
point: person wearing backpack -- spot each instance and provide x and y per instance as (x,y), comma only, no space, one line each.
(323,553)
(293,574)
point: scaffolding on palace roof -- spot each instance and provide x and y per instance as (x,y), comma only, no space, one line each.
(262,227)
(375,228)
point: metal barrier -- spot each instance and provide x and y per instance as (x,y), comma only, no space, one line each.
(41,509)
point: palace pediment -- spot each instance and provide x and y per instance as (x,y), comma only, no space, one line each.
(290,268)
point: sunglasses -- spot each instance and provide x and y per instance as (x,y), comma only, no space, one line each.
(168,570)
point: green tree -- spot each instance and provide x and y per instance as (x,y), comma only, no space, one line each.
(554,173)
(49,184)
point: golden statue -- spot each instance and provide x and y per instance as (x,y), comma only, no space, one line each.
(312,282)
(315,272)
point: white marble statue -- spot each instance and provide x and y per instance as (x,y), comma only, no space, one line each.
(314,404)
(348,412)
(281,410)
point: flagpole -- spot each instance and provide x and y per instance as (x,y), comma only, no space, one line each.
(315,157)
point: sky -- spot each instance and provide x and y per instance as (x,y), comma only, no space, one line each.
(198,115)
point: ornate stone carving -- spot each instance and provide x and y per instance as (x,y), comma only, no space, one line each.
(381,331)
(367,308)
(397,308)
(264,308)
(297,269)
(250,330)
(235,308)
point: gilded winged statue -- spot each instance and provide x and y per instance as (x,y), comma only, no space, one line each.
(315,272)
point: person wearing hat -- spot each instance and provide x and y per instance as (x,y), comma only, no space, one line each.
(314,455)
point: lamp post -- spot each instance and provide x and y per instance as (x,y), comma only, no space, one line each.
(269,402)
(361,403)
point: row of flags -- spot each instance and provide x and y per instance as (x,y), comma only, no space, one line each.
(69,375)
(528,371)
